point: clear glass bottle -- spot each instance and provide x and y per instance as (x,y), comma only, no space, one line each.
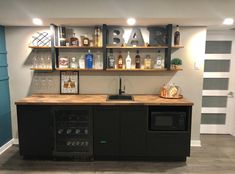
(73,63)
(111,59)
(82,62)
(159,61)
(147,62)
(128,61)
(99,61)
(62,36)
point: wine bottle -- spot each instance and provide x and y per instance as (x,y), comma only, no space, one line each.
(177,36)
(128,61)
(137,60)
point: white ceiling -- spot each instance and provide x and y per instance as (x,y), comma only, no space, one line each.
(114,12)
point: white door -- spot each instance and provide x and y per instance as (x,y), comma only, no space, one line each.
(218,106)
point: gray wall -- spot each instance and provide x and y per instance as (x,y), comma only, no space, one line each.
(22,82)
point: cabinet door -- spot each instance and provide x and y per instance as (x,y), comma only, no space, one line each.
(133,127)
(168,144)
(35,130)
(105,133)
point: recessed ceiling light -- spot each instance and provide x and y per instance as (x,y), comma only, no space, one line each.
(228,21)
(131,21)
(37,21)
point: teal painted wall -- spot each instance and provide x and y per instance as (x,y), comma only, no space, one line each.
(5,109)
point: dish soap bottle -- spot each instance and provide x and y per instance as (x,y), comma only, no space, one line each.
(128,61)
(89,60)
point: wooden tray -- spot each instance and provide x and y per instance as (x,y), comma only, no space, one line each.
(178,97)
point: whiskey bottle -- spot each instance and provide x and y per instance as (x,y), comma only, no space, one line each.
(177,36)
(89,60)
(111,59)
(137,60)
(86,41)
(120,61)
(74,41)
(96,37)
(128,61)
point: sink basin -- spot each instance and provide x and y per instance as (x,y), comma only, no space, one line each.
(120,97)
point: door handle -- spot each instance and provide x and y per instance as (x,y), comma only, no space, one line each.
(230,94)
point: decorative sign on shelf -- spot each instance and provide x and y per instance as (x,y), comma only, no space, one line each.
(157,36)
(69,83)
(41,39)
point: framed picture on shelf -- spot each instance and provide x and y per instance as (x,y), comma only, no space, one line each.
(69,82)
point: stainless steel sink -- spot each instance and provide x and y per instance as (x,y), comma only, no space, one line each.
(120,97)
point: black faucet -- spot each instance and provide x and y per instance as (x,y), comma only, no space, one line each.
(120,87)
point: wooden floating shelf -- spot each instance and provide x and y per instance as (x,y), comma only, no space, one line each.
(77,69)
(107,70)
(177,46)
(41,69)
(137,70)
(137,47)
(40,47)
(77,47)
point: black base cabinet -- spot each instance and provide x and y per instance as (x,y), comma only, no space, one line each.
(115,132)
(35,126)
(119,132)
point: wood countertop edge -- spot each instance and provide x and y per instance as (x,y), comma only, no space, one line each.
(46,100)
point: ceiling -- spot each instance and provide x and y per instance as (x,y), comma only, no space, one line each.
(114,12)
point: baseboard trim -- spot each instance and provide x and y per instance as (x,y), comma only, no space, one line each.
(195,143)
(6,146)
(15,141)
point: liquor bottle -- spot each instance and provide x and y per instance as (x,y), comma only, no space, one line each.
(99,33)
(147,62)
(74,41)
(89,60)
(120,61)
(137,60)
(73,63)
(177,36)
(128,61)
(62,36)
(96,36)
(111,59)
(159,61)
(86,41)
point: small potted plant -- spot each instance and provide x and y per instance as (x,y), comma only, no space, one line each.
(175,63)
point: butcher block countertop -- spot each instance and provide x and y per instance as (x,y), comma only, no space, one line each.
(99,100)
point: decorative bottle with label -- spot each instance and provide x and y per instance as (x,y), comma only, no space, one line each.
(137,60)
(177,36)
(120,61)
(89,60)
(74,41)
(159,61)
(73,63)
(111,59)
(86,41)
(128,61)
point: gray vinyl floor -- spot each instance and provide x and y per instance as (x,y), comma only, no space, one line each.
(216,156)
